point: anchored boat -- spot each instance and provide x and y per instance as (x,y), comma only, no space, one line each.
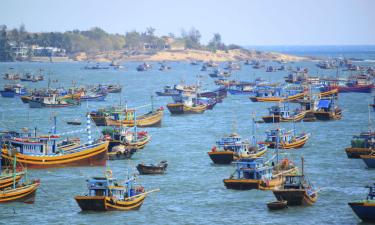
(365,209)
(106,193)
(285,139)
(297,190)
(279,114)
(362,144)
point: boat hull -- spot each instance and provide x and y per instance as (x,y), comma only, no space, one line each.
(180,108)
(271,119)
(93,156)
(152,119)
(221,157)
(355,153)
(24,193)
(146,170)
(369,160)
(249,184)
(295,197)
(102,203)
(364,210)
(8,94)
(325,116)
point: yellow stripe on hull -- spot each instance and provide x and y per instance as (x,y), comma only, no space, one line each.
(17,193)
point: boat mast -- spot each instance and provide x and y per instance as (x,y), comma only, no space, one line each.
(302,162)
(253,131)
(14,152)
(135,126)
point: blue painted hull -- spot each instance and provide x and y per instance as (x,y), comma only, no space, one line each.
(96,98)
(370,162)
(8,94)
(238,92)
(365,213)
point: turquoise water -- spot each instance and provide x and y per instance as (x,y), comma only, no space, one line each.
(192,190)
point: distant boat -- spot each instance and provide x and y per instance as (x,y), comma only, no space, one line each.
(160,168)
(280,138)
(144,67)
(12,90)
(327,110)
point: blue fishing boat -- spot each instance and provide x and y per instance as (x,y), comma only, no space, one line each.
(365,209)
(169,91)
(93,96)
(12,90)
(327,110)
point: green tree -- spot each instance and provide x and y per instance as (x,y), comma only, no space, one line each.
(5,48)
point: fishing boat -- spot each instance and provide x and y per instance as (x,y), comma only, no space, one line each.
(96,67)
(233,147)
(152,169)
(144,67)
(106,194)
(358,83)
(164,67)
(126,118)
(11,76)
(219,73)
(30,78)
(296,190)
(48,151)
(12,90)
(257,173)
(365,209)
(74,122)
(186,104)
(120,151)
(282,113)
(327,110)
(362,144)
(11,187)
(93,96)
(277,95)
(285,139)
(168,91)
(129,137)
(242,89)
(52,101)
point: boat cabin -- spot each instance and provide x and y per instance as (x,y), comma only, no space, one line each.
(364,140)
(42,145)
(371,193)
(294,182)
(253,168)
(278,135)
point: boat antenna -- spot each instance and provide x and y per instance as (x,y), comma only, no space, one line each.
(302,166)
(253,130)
(369,119)
(88,128)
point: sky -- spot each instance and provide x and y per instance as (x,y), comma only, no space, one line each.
(243,22)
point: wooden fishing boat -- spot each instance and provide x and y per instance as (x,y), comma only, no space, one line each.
(279,114)
(12,189)
(105,194)
(12,90)
(52,101)
(326,110)
(233,147)
(182,108)
(121,151)
(285,139)
(44,151)
(277,99)
(24,192)
(74,122)
(276,205)
(152,169)
(150,119)
(84,155)
(362,144)
(365,209)
(124,136)
(256,173)
(296,190)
